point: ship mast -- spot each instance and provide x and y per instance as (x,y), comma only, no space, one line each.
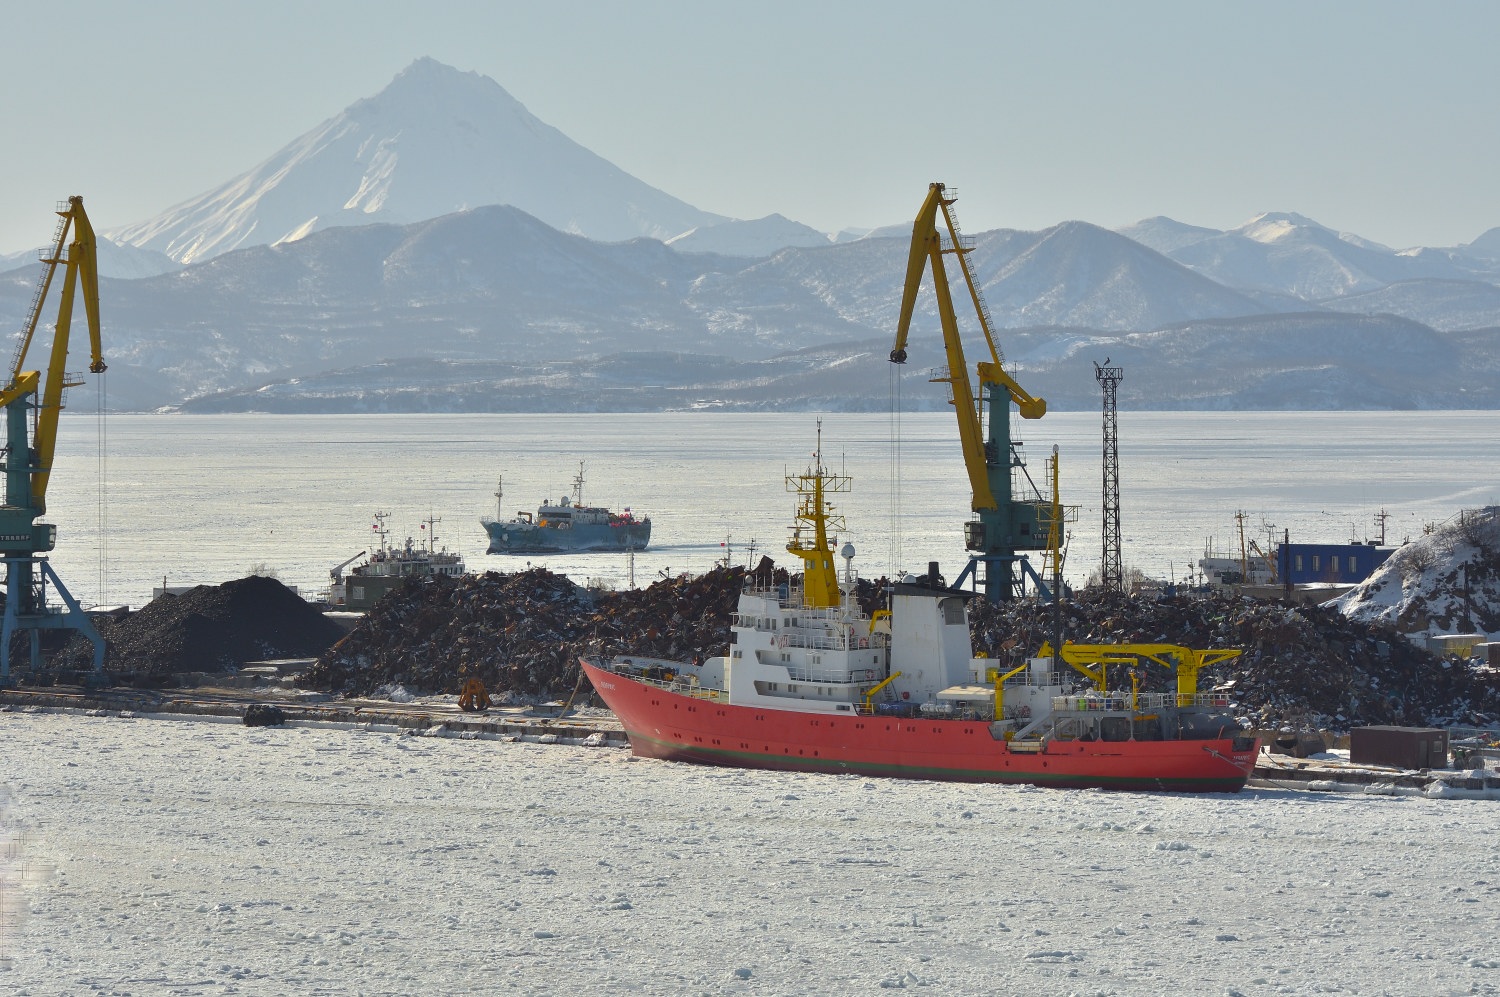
(820,580)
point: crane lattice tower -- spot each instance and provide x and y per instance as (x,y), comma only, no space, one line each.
(1112,575)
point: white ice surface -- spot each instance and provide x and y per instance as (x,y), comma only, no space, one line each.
(148,856)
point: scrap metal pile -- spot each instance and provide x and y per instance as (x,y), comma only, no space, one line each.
(210,628)
(522,634)
(1301,662)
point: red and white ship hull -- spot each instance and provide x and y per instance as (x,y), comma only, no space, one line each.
(679,726)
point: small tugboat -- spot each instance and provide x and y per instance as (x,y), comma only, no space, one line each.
(565,527)
(389,567)
(812,683)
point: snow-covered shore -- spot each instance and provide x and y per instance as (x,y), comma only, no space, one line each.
(148,856)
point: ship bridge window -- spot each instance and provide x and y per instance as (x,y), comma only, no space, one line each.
(953,612)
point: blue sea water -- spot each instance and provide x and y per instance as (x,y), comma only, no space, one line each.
(204,499)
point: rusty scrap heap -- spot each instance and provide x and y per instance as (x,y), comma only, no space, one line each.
(1300,661)
(522,634)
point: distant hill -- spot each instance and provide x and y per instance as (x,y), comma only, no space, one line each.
(762,237)
(1487,246)
(1443,304)
(1286,253)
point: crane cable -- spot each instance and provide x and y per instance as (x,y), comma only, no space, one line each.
(894,389)
(101,467)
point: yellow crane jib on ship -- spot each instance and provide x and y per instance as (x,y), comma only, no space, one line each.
(1093,661)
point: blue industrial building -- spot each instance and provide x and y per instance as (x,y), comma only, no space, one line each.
(1340,564)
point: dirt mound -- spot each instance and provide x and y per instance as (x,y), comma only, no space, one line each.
(209,628)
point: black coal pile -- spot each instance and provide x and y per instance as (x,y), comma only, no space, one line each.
(1301,662)
(207,629)
(522,633)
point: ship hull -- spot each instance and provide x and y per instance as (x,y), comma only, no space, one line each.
(511,538)
(680,727)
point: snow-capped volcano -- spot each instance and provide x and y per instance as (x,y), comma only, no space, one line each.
(434,141)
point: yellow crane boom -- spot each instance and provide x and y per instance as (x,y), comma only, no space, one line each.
(80,273)
(927,248)
(1003,524)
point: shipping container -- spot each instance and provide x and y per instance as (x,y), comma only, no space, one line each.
(1459,644)
(1399,747)
(1488,653)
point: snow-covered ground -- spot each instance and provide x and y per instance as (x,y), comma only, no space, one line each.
(153,856)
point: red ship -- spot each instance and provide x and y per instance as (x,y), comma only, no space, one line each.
(811,683)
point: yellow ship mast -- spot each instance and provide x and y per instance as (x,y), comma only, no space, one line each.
(820,580)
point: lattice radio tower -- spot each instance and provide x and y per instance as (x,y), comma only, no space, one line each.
(1112,576)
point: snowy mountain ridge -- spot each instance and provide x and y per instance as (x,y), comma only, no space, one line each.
(492,310)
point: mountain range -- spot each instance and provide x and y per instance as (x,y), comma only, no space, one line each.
(436,247)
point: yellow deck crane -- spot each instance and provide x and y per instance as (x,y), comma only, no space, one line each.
(32,401)
(1003,524)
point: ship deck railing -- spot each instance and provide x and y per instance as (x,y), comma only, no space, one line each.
(823,641)
(840,676)
(683,685)
(1141,702)
(794,597)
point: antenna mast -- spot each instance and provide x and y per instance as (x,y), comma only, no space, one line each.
(1113,574)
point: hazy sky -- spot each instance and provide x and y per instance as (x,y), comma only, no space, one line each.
(1378,118)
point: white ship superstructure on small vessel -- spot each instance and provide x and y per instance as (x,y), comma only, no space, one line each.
(565,526)
(389,567)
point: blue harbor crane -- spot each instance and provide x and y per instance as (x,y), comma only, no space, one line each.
(1004,523)
(32,401)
